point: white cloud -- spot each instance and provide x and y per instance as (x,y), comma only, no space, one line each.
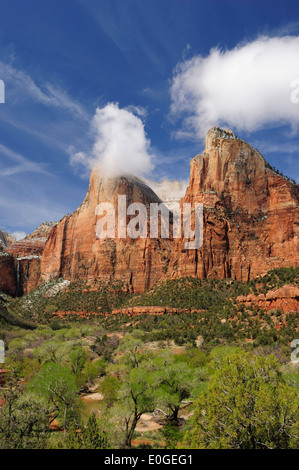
(168,190)
(20,86)
(247,88)
(19,235)
(120,143)
(19,213)
(21,165)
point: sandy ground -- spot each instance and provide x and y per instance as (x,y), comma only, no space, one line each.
(92,397)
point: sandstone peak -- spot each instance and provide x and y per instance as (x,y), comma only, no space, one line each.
(238,175)
(251,213)
(107,189)
(216,133)
(251,225)
(74,251)
(42,232)
(221,133)
(6,239)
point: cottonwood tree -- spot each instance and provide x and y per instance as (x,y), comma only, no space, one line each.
(136,396)
(135,392)
(57,385)
(176,381)
(132,347)
(77,357)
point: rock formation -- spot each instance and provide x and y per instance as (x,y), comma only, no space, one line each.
(6,239)
(285,299)
(73,250)
(33,244)
(251,225)
(251,213)
(7,274)
(42,232)
(20,262)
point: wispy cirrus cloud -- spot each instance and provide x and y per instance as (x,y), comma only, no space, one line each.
(20,86)
(140,33)
(275,147)
(24,214)
(20,163)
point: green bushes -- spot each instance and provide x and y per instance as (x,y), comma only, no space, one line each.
(247,406)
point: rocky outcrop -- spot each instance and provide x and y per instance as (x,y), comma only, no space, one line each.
(251,225)
(28,274)
(7,274)
(74,251)
(6,239)
(42,232)
(20,268)
(33,244)
(24,247)
(285,299)
(251,213)
(147,310)
(130,311)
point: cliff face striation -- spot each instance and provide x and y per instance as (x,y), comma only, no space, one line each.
(20,260)
(7,274)
(251,213)
(251,225)
(74,251)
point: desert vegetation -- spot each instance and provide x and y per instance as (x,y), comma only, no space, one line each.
(215,374)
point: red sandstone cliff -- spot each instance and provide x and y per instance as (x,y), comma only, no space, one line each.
(251,225)
(20,262)
(74,252)
(7,274)
(285,298)
(6,239)
(251,214)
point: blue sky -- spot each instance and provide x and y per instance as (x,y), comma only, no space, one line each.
(135,84)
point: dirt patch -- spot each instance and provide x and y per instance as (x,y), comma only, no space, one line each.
(92,397)
(148,423)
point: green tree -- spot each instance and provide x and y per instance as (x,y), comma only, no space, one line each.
(171,435)
(136,393)
(132,346)
(246,406)
(91,371)
(24,420)
(57,385)
(91,437)
(77,358)
(176,382)
(136,397)
(109,387)
(52,351)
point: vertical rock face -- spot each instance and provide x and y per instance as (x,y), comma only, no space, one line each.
(27,274)
(73,250)
(20,260)
(7,274)
(251,225)
(251,214)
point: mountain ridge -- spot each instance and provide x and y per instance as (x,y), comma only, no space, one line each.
(251,225)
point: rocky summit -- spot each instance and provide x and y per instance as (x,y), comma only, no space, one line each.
(73,250)
(250,215)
